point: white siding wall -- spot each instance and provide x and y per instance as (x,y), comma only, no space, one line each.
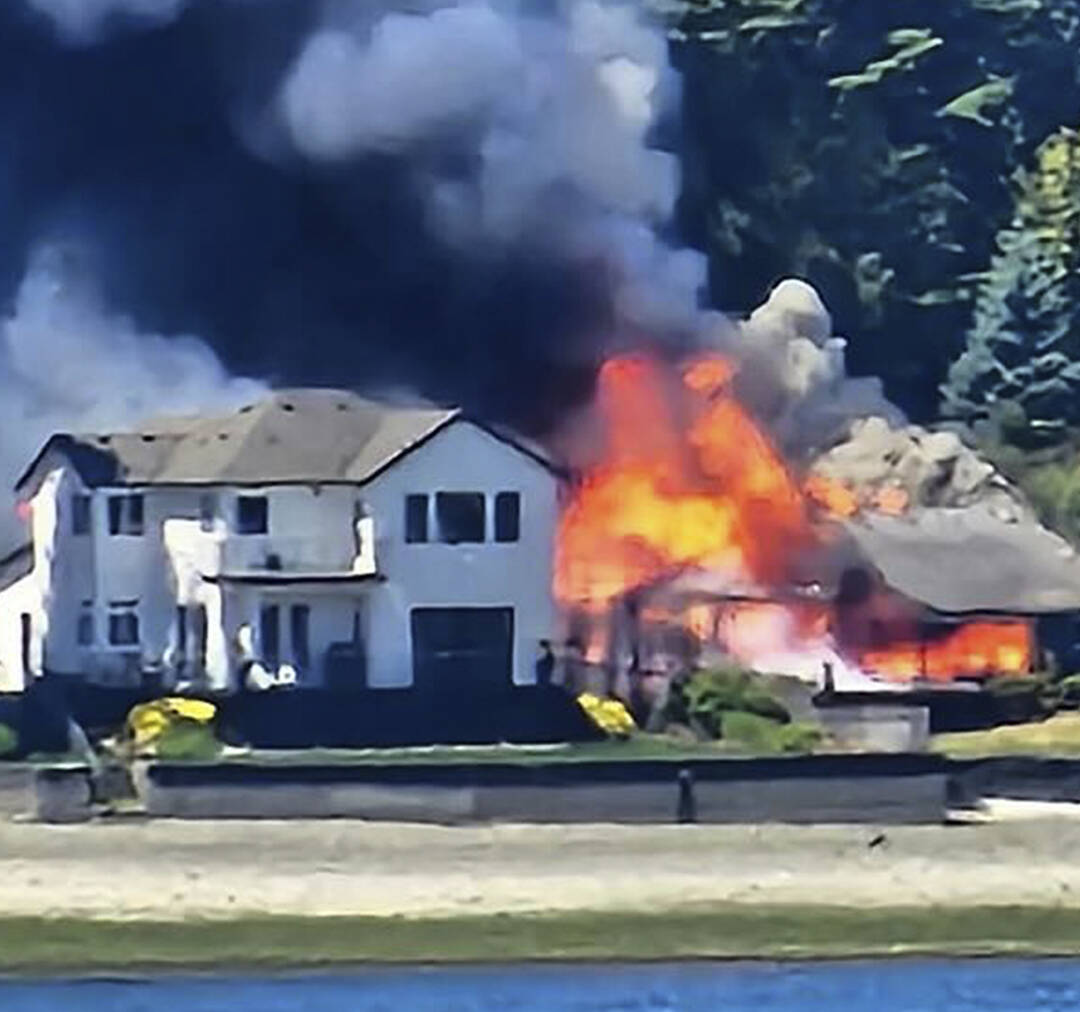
(309,529)
(461,458)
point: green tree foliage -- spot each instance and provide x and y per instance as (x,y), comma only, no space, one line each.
(867,147)
(1020,374)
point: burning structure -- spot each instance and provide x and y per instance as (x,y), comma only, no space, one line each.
(886,553)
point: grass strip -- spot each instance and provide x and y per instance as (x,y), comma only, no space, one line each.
(48,945)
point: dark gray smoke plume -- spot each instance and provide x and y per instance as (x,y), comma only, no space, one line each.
(467,198)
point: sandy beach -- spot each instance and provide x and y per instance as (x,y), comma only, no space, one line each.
(164,870)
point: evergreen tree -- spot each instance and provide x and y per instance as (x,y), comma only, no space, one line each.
(1020,373)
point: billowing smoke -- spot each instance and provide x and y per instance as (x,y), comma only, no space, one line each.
(83,21)
(548,119)
(468,198)
(67,364)
(793,373)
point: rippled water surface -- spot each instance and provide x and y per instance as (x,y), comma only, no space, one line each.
(1000,986)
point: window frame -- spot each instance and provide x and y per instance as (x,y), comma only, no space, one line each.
(501,535)
(81,514)
(127,612)
(127,515)
(417,518)
(242,525)
(85,626)
(476,499)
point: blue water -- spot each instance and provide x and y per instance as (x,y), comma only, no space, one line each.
(999,986)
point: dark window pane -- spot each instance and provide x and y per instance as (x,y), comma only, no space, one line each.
(416,519)
(461,517)
(80,514)
(123,628)
(181,631)
(135,515)
(252,514)
(26,630)
(507,516)
(116,513)
(126,514)
(270,635)
(299,620)
(84,631)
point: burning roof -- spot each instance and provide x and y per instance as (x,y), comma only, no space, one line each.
(966,561)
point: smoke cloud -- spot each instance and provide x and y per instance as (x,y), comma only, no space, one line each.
(67,364)
(471,199)
(83,21)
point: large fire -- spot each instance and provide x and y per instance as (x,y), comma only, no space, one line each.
(688,480)
(977,648)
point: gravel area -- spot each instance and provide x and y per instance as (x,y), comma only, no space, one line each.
(165,869)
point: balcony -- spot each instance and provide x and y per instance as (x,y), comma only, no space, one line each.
(196,554)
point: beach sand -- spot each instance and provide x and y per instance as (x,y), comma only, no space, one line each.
(173,870)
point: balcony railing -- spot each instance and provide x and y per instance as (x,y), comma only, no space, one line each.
(196,552)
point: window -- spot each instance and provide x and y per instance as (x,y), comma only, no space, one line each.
(299,623)
(123,625)
(270,634)
(416,519)
(84,627)
(507,516)
(252,514)
(181,631)
(208,506)
(26,633)
(80,514)
(460,516)
(126,515)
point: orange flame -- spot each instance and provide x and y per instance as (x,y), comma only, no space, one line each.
(687,478)
(977,648)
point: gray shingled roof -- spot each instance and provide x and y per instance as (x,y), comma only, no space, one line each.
(962,561)
(291,437)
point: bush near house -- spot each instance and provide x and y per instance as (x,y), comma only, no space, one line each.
(733,705)
(9,741)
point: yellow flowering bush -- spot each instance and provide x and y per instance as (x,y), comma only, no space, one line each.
(609,715)
(147,723)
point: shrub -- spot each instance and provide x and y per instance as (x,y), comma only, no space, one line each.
(1070,692)
(801,738)
(186,740)
(1019,698)
(9,741)
(751,732)
(709,695)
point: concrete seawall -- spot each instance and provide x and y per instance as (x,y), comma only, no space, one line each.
(892,789)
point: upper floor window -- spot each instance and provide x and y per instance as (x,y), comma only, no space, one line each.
(252,514)
(126,514)
(460,516)
(507,516)
(80,514)
(416,519)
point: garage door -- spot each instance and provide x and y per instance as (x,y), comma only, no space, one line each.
(458,648)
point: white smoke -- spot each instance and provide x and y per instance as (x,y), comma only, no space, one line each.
(794,375)
(68,365)
(82,21)
(549,116)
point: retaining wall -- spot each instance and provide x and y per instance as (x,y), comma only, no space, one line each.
(856,789)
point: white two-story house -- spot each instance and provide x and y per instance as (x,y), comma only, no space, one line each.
(314,536)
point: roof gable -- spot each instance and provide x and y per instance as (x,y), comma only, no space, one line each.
(309,436)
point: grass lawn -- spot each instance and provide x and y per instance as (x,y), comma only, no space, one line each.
(639,747)
(1057,736)
(46,945)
